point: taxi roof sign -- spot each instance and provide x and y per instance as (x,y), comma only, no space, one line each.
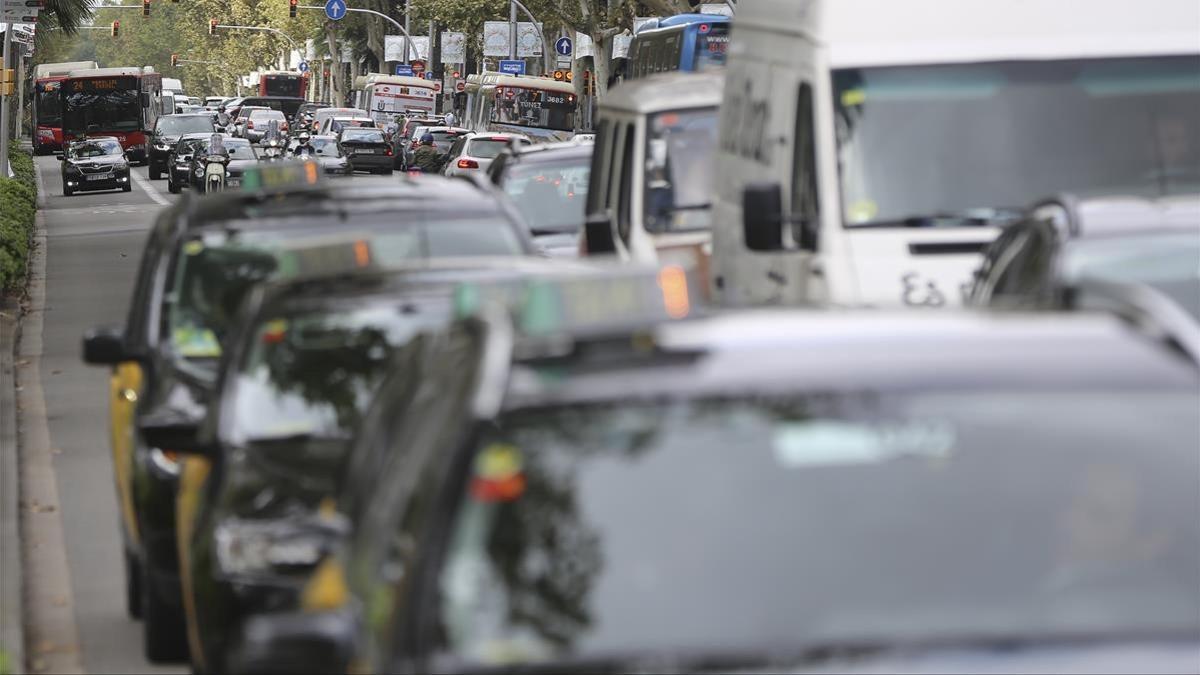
(280,175)
(598,300)
(315,257)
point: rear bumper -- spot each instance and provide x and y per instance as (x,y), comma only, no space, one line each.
(367,162)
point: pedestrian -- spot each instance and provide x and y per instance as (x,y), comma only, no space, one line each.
(451,119)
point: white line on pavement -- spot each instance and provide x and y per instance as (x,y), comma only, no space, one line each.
(148,188)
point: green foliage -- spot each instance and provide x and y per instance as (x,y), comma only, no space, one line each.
(18,200)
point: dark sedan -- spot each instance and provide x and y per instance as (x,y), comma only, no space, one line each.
(95,164)
(367,149)
(241,155)
(167,131)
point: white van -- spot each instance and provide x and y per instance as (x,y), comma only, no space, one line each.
(650,188)
(879,145)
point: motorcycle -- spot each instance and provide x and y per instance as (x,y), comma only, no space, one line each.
(273,146)
(216,165)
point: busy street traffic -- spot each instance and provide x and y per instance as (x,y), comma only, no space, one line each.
(758,336)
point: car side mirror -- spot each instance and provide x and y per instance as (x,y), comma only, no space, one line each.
(295,642)
(598,235)
(105,347)
(762,216)
(168,429)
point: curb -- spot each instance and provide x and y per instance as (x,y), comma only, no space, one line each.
(12,622)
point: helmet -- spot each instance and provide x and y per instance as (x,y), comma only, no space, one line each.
(304,137)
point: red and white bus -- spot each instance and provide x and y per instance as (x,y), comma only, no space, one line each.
(120,102)
(282,83)
(47,103)
(386,96)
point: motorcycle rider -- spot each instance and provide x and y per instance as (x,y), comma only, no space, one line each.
(304,145)
(427,157)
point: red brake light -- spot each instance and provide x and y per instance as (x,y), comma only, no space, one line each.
(388,151)
(468,164)
(704,28)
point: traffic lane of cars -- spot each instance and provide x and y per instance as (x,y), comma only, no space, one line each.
(92,246)
(201,258)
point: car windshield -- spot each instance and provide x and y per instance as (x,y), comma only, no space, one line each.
(49,104)
(1169,263)
(443,140)
(310,373)
(187,146)
(239,148)
(326,146)
(263,115)
(172,125)
(991,137)
(550,195)
(843,519)
(680,149)
(95,148)
(486,148)
(216,269)
(363,135)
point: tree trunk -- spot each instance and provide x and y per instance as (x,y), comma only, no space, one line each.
(336,96)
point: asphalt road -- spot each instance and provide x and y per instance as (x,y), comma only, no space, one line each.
(93,244)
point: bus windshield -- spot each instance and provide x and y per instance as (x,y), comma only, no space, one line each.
(281,85)
(538,108)
(679,170)
(88,108)
(990,138)
(49,104)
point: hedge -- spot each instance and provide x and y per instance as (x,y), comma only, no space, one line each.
(18,199)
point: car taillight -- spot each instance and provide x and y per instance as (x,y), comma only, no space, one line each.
(283,127)
(468,164)
(388,151)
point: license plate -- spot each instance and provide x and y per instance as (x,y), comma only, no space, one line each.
(233,182)
(365,152)
(102,176)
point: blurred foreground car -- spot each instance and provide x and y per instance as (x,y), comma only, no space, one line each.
(855,491)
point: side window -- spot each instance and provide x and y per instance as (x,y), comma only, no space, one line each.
(599,166)
(1007,271)
(624,215)
(805,201)
(616,167)
(135,327)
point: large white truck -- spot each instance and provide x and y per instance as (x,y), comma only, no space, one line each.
(869,149)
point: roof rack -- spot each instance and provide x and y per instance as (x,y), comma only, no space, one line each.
(1143,307)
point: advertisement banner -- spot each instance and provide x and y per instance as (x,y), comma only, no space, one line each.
(310,50)
(620,49)
(584,46)
(454,47)
(420,48)
(393,48)
(495,38)
(529,40)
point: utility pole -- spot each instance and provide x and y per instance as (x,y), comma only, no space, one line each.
(512,30)
(407,30)
(20,89)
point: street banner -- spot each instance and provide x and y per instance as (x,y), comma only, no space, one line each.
(454,47)
(495,38)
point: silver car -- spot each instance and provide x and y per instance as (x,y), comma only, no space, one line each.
(474,153)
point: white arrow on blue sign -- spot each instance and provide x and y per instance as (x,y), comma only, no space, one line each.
(563,46)
(303,67)
(335,9)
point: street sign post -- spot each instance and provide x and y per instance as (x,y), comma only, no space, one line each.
(404,69)
(335,10)
(564,46)
(460,87)
(514,67)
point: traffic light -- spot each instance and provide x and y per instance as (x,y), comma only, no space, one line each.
(564,75)
(145,7)
(292,6)
(116,28)
(174,60)
(212,26)
(8,81)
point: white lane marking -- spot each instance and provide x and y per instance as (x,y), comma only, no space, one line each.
(149,189)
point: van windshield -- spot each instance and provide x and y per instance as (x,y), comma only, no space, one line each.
(968,144)
(679,170)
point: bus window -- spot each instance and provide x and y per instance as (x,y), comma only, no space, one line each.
(805,197)
(712,46)
(535,108)
(600,164)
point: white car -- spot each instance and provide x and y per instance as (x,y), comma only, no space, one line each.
(474,153)
(332,126)
(323,114)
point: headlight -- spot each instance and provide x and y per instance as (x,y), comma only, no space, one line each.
(161,146)
(253,547)
(199,171)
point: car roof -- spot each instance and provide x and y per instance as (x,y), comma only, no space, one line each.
(1117,215)
(772,351)
(266,110)
(341,201)
(204,115)
(193,135)
(551,151)
(446,128)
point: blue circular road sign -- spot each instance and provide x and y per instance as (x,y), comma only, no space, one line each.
(303,67)
(563,46)
(335,9)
